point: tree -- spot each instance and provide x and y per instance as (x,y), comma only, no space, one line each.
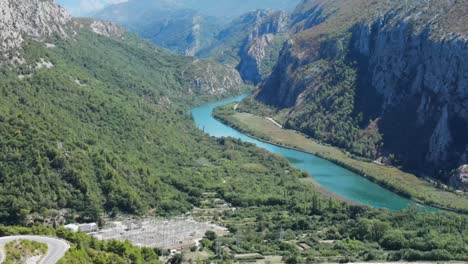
(393,240)
(211,235)
(378,229)
(177,259)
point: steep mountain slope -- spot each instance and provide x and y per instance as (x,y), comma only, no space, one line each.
(92,120)
(251,43)
(47,19)
(190,27)
(166,23)
(378,78)
(233,8)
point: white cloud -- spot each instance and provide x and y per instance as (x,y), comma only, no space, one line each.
(83,7)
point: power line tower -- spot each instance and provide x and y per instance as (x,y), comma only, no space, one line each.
(219,250)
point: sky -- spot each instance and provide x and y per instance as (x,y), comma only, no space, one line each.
(84,7)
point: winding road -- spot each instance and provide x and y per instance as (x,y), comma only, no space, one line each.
(56,247)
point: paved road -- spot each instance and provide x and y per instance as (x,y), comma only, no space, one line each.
(56,247)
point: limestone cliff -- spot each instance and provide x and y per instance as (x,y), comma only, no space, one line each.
(401,64)
(207,77)
(261,46)
(39,20)
(33,18)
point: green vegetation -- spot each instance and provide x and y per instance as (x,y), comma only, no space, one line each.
(85,249)
(390,177)
(330,114)
(104,130)
(317,230)
(17,251)
(271,58)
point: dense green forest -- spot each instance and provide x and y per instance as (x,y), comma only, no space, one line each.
(335,232)
(91,135)
(95,134)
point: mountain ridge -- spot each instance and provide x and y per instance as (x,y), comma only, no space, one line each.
(386,60)
(83,112)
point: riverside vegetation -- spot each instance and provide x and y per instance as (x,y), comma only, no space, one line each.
(392,178)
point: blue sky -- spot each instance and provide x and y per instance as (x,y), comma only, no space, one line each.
(84,7)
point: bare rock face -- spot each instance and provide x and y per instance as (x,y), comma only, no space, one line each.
(207,77)
(106,29)
(259,44)
(408,62)
(253,55)
(421,75)
(267,22)
(32,18)
(460,177)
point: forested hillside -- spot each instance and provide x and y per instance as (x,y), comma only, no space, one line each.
(94,120)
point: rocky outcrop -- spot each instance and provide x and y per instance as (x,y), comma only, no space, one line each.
(424,76)
(252,56)
(405,63)
(460,177)
(260,47)
(32,18)
(193,38)
(266,22)
(207,77)
(106,29)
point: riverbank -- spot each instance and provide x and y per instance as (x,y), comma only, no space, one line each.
(400,182)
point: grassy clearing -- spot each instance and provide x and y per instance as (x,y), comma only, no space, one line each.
(392,178)
(20,250)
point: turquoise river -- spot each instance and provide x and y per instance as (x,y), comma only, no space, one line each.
(329,175)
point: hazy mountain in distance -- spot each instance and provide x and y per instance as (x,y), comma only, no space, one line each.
(183,26)
(234,8)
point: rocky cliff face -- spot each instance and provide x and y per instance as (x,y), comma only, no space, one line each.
(405,66)
(251,43)
(39,19)
(422,74)
(34,18)
(206,77)
(168,24)
(260,46)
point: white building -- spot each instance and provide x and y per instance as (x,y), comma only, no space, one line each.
(88,228)
(72,228)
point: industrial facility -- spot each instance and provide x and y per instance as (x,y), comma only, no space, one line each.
(159,233)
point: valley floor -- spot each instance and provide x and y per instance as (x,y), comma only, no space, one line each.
(392,178)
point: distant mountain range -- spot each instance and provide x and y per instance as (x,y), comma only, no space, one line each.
(227,31)
(228,9)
